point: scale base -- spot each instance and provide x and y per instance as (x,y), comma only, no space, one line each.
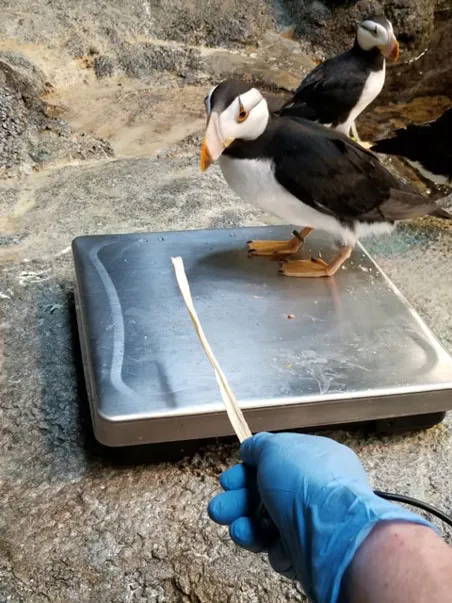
(298,353)
(175,451)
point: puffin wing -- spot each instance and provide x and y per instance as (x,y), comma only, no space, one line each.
(441,125)
(331,89)
(336,176)
(405,140)
(438,132)
(429,144)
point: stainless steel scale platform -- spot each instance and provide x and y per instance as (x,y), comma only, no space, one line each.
(297,352)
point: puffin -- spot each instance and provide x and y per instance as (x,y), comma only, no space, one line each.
(305,174)
(338,90)
(426,147)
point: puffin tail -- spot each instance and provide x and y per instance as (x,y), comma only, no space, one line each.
(441,213)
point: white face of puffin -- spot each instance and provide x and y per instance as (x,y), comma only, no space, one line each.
(371,34)
(245,118)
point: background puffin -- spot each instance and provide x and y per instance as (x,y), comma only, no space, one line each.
(426,147)
(338,90)
(294,169)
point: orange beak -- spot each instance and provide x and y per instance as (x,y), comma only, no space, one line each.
(206,157)
(391,50)
(213,144)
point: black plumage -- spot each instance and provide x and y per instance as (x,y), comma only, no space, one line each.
(332,94)
(329,92)
(331,173)
(428,146)
(305,174)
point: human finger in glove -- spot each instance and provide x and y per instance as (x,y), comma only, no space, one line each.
(307,502)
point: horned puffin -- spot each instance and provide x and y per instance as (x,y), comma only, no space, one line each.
(338,90)
(426,147)
(303,173)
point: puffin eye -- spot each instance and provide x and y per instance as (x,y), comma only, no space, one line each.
(243,114)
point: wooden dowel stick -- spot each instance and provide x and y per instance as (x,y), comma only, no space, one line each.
(235,415)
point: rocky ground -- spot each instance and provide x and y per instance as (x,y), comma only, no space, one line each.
(101,120)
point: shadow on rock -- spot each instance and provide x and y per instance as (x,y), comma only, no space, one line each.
(64,406)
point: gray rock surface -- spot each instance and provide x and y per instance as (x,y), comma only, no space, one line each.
(50,87)
(30,136)
(88,28)
(79,81)
(431,73)
(76,527)
(332,23)
(421,26)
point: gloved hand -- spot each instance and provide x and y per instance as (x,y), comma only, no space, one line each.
(320,503)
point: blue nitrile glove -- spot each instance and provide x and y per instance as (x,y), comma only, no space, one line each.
(321,506)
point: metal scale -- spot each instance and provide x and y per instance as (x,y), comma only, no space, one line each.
(297,352)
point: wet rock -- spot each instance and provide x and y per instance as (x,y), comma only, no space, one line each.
(332,24)
(430,74)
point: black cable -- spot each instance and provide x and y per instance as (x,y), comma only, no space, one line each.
(408,500)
